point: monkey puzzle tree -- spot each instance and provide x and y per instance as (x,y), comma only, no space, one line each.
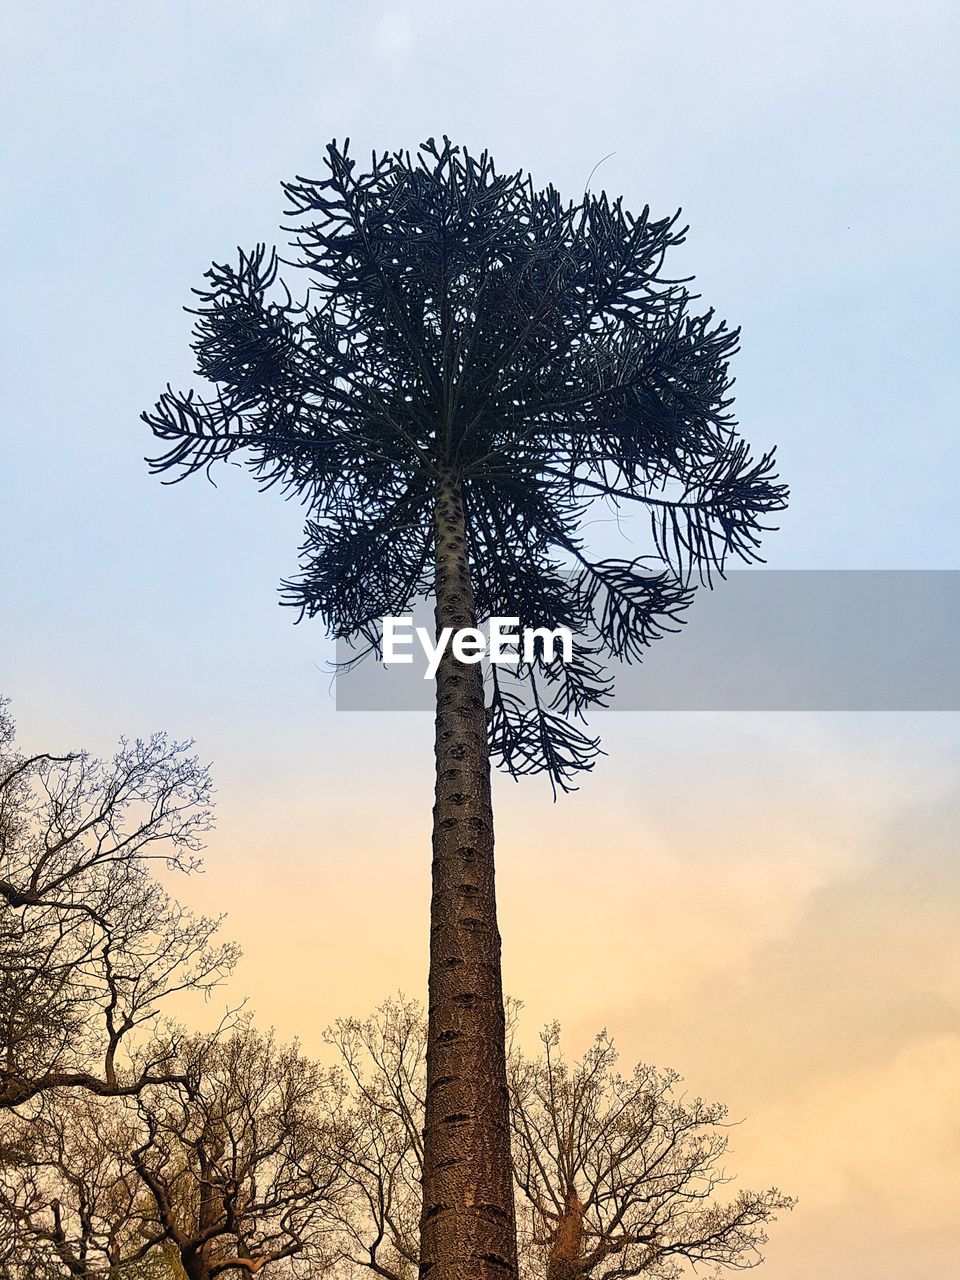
(474,364)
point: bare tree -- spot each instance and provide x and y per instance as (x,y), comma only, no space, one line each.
(90,944)
(229,1173)
(614,1177)
(619,1176)
(240,1162)
(69,1205)
(384,1068)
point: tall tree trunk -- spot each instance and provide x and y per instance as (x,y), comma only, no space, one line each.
(467,1228)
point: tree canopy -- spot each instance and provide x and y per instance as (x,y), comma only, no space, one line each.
(459,322)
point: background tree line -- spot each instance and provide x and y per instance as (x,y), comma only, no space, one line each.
(134,1149)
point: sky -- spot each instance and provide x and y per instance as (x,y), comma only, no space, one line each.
(766,902)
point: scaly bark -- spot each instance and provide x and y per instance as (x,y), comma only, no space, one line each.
(467,1230)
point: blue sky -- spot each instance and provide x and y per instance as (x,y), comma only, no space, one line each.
(808,145)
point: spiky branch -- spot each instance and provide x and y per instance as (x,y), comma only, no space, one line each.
(459,322)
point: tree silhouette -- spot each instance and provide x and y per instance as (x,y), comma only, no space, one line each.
(615,1175)
(623,1176)
(230,1172)
(474,364)
(92,948)
(238,1162)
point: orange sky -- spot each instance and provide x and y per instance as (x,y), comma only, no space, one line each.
(766,903)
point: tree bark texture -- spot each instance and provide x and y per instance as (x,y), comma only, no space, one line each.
(468,1229)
